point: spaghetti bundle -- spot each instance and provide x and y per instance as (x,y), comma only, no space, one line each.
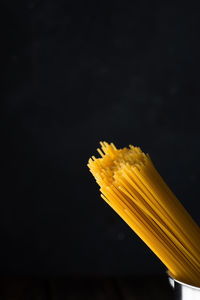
(131,185)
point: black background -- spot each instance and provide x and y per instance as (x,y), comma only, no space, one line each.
(75,73)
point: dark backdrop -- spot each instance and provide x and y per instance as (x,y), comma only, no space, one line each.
(75,73)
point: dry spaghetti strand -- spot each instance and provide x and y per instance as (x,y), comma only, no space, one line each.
(132,186)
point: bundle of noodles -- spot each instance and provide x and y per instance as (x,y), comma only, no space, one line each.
(131,185)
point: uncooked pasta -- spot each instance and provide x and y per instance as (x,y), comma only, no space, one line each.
(132,186)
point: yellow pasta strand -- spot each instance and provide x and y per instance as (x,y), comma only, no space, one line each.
(132,186)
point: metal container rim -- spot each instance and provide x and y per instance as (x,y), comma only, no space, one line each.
(183,283)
